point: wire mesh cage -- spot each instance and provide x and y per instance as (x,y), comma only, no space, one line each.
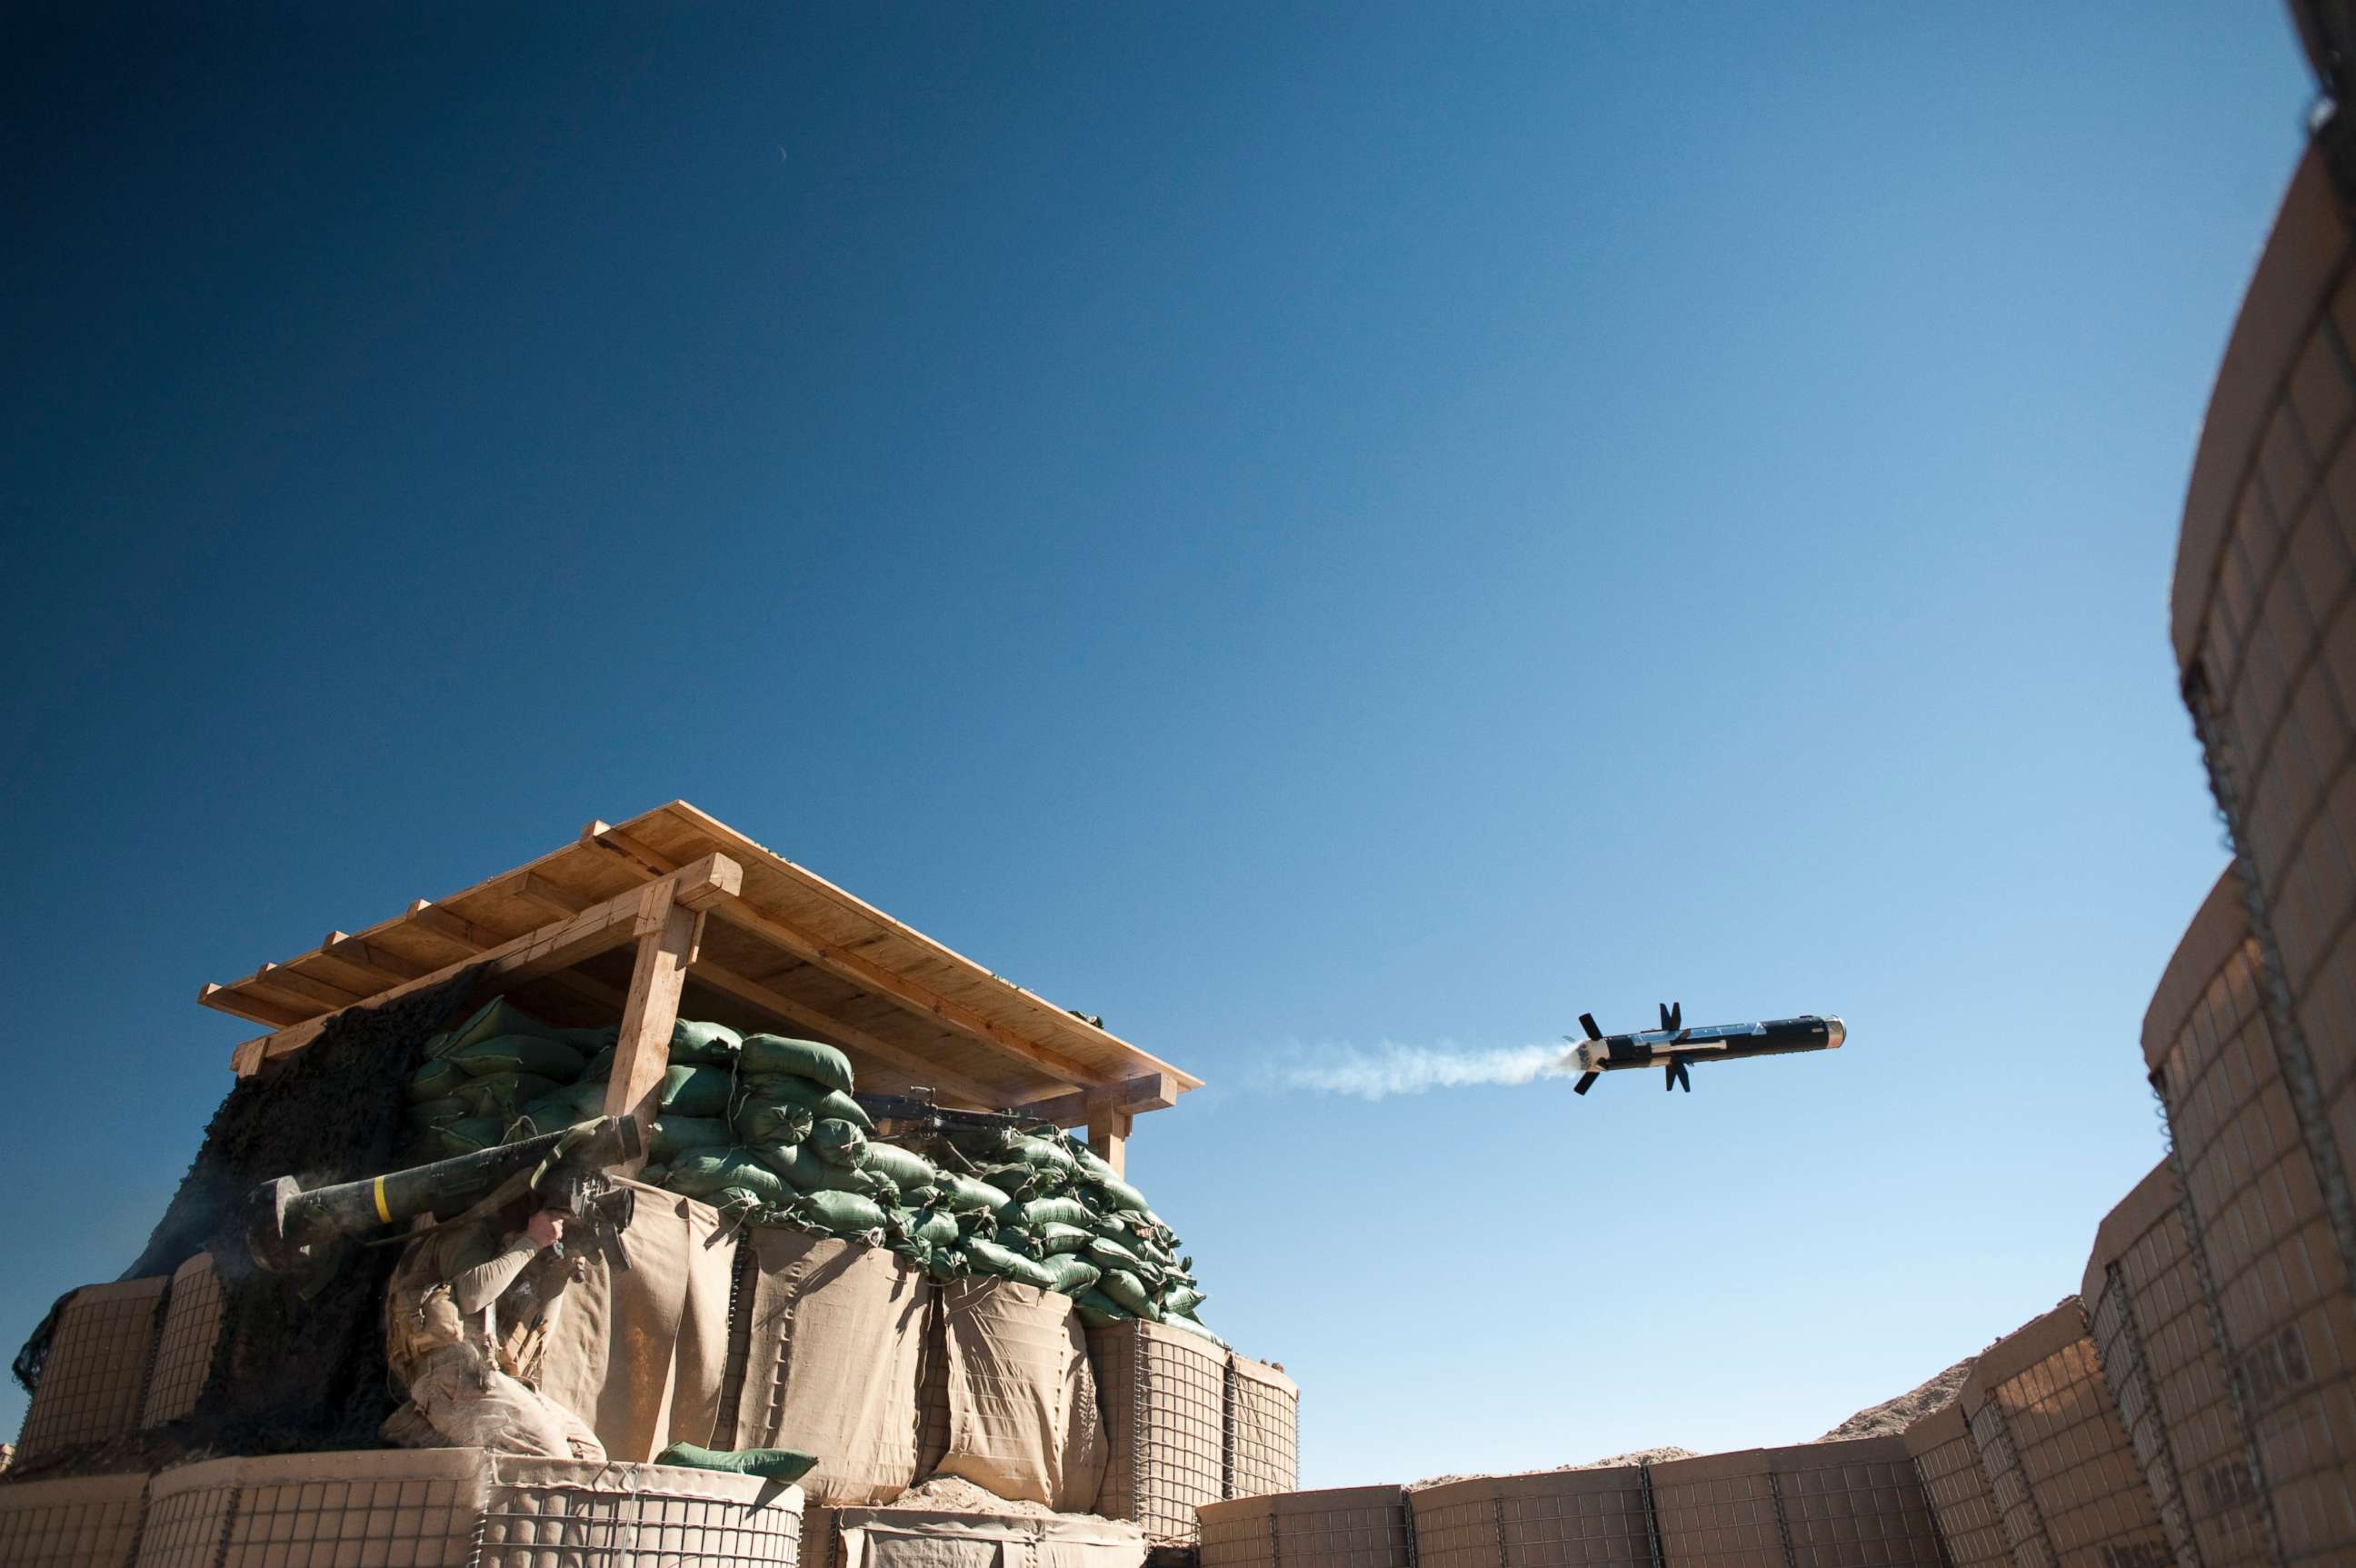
(1349,1527)
(89,1521)
(95,1377)
(184,1349)
(1947,1463)
(1263,1429)
(1165,1397)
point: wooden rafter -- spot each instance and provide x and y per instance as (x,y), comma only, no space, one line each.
(978,1095)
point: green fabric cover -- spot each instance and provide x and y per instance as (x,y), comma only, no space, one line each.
(766,1056)
(550,1059)
(784,1466)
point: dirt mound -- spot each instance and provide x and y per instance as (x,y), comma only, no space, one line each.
(1898,1414)
(955,1494)
(1633,1457)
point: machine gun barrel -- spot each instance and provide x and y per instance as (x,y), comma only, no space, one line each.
(287,1227)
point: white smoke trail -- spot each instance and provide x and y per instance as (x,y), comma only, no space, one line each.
(1416,1069)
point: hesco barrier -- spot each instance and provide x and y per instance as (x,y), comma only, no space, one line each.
(461,1508)
(95,1377)
(2058,1465)
(2263,621)
(2264,1256)
(923,1538)
(1820,1505)
(184,1349)
(1165,1399)
(1348,1527)
(89,1522)
(1263,1429)
(1947,1463)
(2155,1334)
(1557,1519)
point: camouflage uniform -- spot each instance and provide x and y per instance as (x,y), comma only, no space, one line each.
(465,1326)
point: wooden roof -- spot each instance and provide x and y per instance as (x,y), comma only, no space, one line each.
(786,950)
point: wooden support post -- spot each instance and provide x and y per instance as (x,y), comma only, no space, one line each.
(1109,1136)
(668,933)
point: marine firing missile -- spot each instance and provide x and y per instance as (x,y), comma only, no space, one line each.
(1672,1046)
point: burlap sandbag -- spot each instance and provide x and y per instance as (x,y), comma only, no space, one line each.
(1024,1416)
(638,1352)
(836,1333)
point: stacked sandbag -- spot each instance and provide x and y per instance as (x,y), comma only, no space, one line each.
(502,1074)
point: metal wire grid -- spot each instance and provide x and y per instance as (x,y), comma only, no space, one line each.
(1165,1402)
(184,1352)
(1733,1521)
(2204,1450)
(737,1366)
(2282,1309)
(87,1523)
(96,1375)
(816,1547)
(186,1528)
(2075,1456)
(1457,1526)
(1864,1513)
(2119,1348)
(2008,1488)
(365,1523)
(1962,1504)
(1373,1535)
(1241,1537)
(1587,1528)
(1263,1435)
(596,1526)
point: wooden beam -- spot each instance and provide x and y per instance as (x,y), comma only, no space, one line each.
(1109,1136)
(977,1095)
(276,978)
(1147,1091)
(668,934)
(615,842)
(456,928)
(533,888)
(917,997)
(260,1009)
(357,953)
(552,947)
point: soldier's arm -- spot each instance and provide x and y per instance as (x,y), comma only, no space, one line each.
(472,1289)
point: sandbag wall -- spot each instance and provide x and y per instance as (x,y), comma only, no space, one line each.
(2157,1338)
(2059,1470)
(2260,1242)
(1947,1463)
(2255,1028)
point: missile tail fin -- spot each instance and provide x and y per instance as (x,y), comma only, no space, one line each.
(1676,1075)
(1586,1082)
(1673,1015)
(1587,1021)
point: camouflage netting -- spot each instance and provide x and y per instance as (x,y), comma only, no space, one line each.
(290,1373)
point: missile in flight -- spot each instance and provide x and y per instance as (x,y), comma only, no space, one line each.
(1672,1046)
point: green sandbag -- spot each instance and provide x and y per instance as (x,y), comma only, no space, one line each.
(774,1123)
(715,1045)
(908,1169)
(436,1080)
(785,1089)
(1056,1237)
(590,1040)
(1041,1211)
(931,1227)
(600,1067)
(770,1055)
(449,1108)
(837,1141)
(448,1140)
(993,1258)
(843,1213)
(499,1093)
(656,1176)
(1022,1183)
(1098,1310)
(696,1090)
(671,1136)
(805,1171)
(495,1018)
(1091,1164)
(1041,1152)
(1193,1326)
(782,1465)
(1129,1292)
(1113,1255)
(519,1053)
(1070,1275)
(1182,1299)
(1117,1193)
(700,1172)
(963,1195)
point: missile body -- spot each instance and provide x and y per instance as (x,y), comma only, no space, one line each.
(1672,1046)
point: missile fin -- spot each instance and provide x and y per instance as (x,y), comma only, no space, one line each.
(1676,1075)
(1586,1082)
(1587,1021)
(1673,1016)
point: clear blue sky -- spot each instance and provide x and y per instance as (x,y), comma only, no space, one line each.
(1288,527)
